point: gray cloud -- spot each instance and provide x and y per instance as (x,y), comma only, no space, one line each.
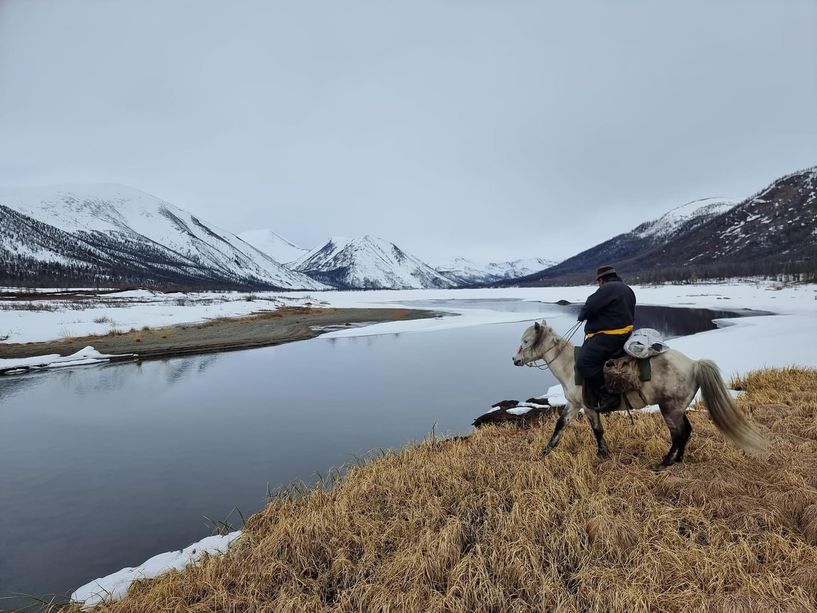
(484,129)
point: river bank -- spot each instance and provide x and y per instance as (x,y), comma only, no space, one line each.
(260,329)
(208,432)
(483,523)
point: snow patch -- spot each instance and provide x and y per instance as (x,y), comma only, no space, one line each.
(83,357)
(115,586)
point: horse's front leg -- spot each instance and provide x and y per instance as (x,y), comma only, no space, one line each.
(566,416)
(598,429)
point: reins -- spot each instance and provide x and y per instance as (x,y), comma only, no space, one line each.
(573,329)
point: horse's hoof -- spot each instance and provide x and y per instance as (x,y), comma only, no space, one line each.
(546,451)
(660,467)
(603,454)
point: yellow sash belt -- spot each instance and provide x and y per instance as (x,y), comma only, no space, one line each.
(624,330)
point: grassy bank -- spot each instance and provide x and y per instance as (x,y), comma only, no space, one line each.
(484,524)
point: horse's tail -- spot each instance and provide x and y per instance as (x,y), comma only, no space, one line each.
(723,410)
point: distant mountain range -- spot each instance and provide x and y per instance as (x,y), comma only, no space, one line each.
(112,235)
(368,263)
(466,272)
(117,236)
(771,232)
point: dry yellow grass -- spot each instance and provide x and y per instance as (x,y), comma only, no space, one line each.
(485,524)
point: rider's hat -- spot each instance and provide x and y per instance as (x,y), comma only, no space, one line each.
(604,271)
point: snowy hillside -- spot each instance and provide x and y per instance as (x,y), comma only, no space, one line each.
(468,272)
(368,263)
(275,246)
(776,225)
(669,223)
(113,234)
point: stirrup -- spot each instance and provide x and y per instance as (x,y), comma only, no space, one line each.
(608,402)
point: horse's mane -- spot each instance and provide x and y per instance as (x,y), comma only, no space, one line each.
(559,342)
(562,342)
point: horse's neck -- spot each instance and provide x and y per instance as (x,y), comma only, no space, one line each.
(560,358)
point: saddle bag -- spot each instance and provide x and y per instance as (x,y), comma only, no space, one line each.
(642,366)
(622,375)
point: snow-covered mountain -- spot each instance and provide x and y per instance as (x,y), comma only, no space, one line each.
(468,272)
(642,239)
(696,212)
(116,235)
(772,232)
(368,262)
(274,245)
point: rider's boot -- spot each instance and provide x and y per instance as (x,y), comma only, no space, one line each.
(603,399)
(608,401)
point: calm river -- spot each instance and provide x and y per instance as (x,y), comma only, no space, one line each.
(104,467)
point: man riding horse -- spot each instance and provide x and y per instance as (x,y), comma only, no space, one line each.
(609,314)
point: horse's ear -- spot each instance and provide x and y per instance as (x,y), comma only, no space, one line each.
(536,326)
(544,323)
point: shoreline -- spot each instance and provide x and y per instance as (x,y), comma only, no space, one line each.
(259,329)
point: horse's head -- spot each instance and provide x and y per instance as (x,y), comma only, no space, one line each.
(531,345)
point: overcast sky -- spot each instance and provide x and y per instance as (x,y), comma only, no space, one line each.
(492,130)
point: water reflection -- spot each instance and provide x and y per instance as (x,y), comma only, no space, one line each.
(12,385)
(177,370)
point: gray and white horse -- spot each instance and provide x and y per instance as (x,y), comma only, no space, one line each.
(674,383)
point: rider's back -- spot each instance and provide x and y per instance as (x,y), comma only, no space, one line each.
(611,307)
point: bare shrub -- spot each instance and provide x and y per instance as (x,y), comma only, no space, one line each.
(28,306)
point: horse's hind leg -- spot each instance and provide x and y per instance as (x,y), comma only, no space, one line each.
(680,430)
(564,419)
(598,429)
(684,439)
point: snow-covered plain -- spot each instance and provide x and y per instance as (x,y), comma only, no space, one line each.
(740,345)
(30,321)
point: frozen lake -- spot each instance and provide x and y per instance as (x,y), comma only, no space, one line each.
(104,467)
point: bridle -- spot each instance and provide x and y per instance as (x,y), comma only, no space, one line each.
(532,364)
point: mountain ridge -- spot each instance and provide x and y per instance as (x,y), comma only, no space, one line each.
(273,244)
(465,271)
(115,234)
(771,232)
